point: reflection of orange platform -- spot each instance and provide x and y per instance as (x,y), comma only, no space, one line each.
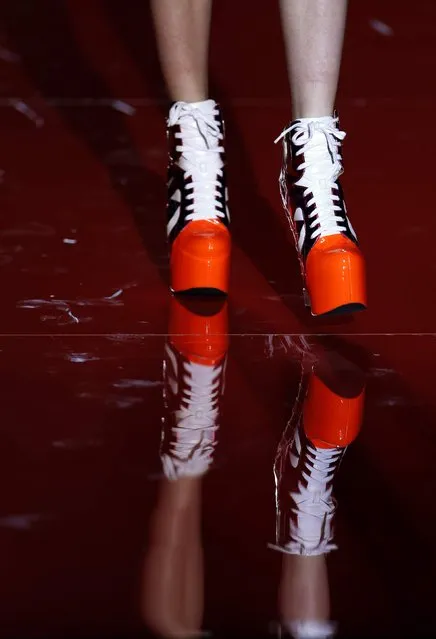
(331,420)
(325,420)
(194,372)
(198,329)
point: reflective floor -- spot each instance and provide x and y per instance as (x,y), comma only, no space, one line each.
(238,468)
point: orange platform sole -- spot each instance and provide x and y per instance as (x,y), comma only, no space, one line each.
(200,259)
(335,277)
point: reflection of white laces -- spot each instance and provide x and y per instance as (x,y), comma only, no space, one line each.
(310,526)
(319,141)
(314,505)
(200,150)
(193,437)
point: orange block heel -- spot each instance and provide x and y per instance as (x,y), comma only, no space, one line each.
(335,277)
(200,258)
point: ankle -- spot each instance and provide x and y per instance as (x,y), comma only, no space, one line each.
(207,105)
(312,111)
(321,119)
(195,104)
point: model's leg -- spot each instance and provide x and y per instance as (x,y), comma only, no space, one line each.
(198,217)
(332,264)
(182,32)
(313,33)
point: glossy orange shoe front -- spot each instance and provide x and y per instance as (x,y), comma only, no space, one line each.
(335,276)
(332,264)
(200,257)
(198,215)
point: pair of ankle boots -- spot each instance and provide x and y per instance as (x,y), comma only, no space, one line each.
(198,224)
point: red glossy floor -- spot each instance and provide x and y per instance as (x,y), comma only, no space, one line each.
(94,541)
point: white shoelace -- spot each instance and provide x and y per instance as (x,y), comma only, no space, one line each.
(319,142)
(194,442)
(200,150)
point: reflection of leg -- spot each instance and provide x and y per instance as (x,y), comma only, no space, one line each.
(304,595)
(325,420)
(194,371)
(172,603)
(193,574)
(182,31)
(313,34)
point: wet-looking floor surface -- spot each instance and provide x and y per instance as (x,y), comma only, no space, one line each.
(235,467)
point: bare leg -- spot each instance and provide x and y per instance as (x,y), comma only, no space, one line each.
(197,196)
(182,32)
(313,32)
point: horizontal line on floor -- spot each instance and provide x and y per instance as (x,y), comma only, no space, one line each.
(121,335)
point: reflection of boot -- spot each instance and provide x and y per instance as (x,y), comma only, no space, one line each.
(308,456)
(323,424)
(172,597)
(194,368)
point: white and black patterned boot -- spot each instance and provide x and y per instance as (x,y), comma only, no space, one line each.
(198,215)
(332,264)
